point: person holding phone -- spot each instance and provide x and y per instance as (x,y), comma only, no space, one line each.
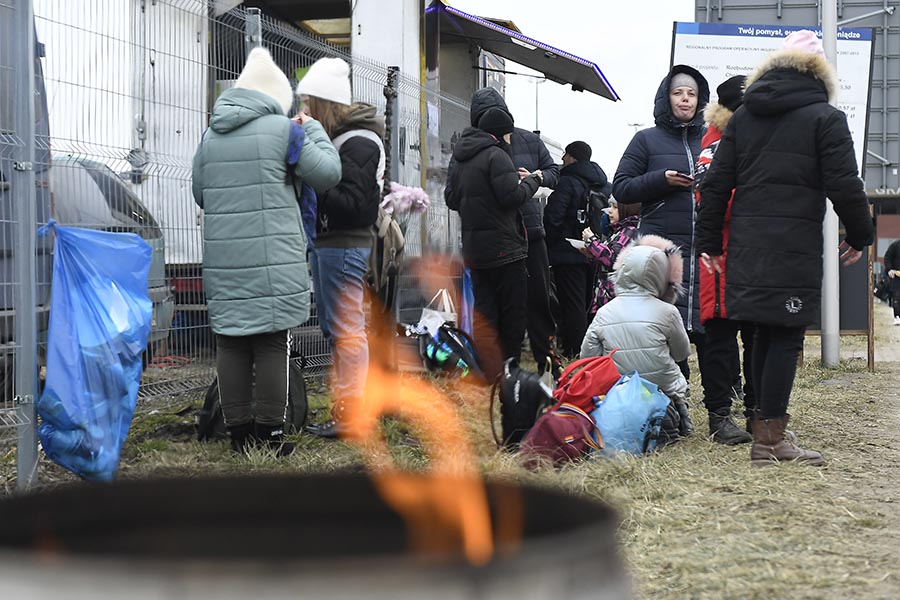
(657,173)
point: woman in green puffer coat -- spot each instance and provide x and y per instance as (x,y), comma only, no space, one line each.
(255,274)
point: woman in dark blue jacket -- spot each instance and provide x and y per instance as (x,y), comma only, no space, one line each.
(657,171)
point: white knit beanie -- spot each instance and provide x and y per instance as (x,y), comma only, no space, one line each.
(261,74)
(329,79)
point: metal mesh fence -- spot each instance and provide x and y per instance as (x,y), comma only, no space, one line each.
(123,91)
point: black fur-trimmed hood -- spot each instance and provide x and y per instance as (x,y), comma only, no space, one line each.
(789,79)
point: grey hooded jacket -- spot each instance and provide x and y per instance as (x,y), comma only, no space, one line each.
(254,248)
(641,320)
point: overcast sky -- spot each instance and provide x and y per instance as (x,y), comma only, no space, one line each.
(631,43)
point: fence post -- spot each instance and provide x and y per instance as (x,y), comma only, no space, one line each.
(394,141)
(24,198)
(252,30)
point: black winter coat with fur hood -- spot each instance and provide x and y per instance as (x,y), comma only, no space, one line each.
(487,193)
(783,152)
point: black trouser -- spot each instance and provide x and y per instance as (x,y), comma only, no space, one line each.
(895,297)
(775,354)
(500,314)
(235,361)
(573,289)
(539,320)
(699,341)
(721,353)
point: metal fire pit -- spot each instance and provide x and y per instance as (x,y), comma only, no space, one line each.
(311,536)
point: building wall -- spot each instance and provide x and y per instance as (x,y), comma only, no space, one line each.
(884,111)
(377,27)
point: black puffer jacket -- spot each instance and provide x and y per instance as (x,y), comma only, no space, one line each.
(528,152)
(487,193)
(561,214)
(347,212)
(892,263)
(641,178)
(783,152)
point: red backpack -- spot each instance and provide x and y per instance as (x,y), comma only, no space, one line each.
(563,434)
(584,379)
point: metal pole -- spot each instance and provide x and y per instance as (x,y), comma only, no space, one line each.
(831,307)
(394,103)
(252,30)
(24,195)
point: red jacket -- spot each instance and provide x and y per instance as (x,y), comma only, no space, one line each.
(712,285)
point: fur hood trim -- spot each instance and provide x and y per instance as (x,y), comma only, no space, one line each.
(717,115)
(804,62)
(663,278)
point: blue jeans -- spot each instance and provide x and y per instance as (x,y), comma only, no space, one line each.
(338,287)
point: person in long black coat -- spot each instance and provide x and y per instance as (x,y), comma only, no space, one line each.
(529,154)
(488,192)
(657,172)
(573,275)
(783,152)
(892,269)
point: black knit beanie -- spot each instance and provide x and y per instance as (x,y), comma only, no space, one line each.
(579,151)
(496,121)
(731,92)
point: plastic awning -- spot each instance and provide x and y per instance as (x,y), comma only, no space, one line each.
(556,65)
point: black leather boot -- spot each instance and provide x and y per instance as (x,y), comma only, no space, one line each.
(240,435)
(685,425)
(334,427)
(723,430)
(272,437)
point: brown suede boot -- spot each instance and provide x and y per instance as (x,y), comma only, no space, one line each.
(753,414)
(771,445)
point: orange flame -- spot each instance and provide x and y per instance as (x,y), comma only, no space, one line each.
(447,510)
(451,505)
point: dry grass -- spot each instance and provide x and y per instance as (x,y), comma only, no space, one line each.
(697,520)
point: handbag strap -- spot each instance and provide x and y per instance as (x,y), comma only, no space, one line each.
(582,362)
(494,388)
(598,445)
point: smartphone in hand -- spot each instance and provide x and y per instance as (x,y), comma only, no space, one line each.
(685,175)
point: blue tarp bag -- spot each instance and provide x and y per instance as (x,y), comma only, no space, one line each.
(630,415)
(100,316)
(467,305)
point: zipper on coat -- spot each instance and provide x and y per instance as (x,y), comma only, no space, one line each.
(717,311)
(693,259)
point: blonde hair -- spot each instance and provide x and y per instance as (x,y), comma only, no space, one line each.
(331,115)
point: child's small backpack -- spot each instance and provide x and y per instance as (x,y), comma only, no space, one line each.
(564,434)
(524,396)
(593,202)
(450,352)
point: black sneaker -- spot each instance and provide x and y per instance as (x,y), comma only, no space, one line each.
(330,429)
(272,437)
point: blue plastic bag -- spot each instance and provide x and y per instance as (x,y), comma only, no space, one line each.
(100,316)
(467,305)
(630,415)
